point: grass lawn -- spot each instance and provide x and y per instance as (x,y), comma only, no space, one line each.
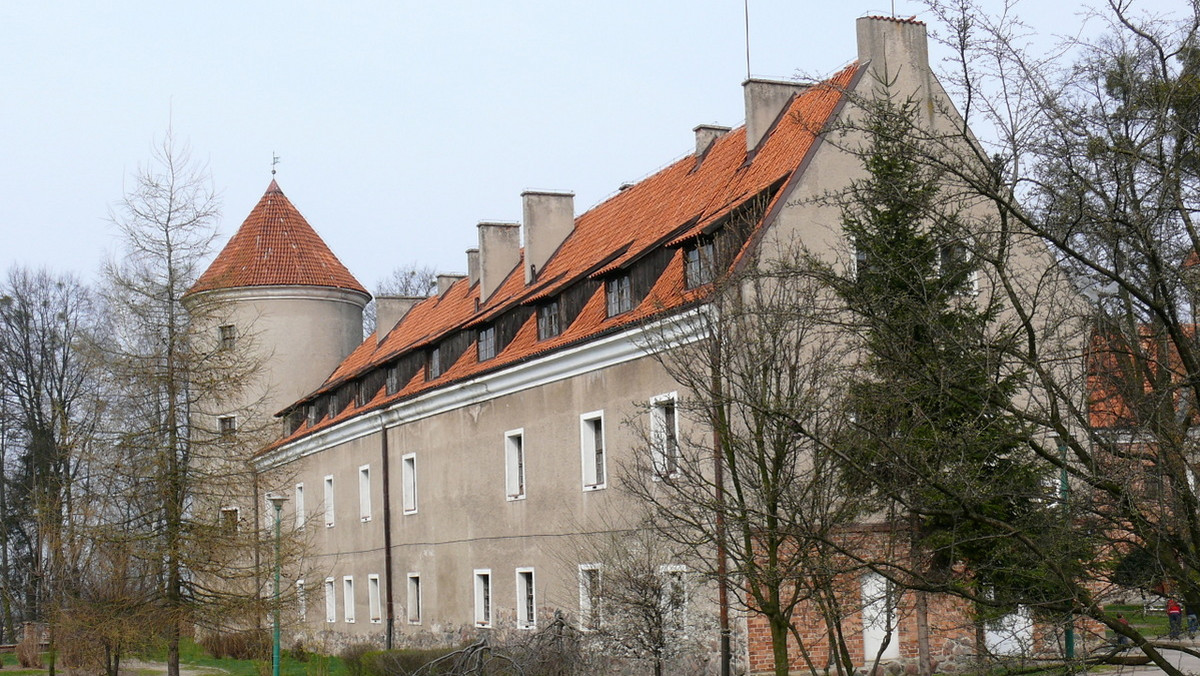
(193,655)
(316,665)
(1151,625)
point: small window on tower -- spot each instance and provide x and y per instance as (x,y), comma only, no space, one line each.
(227,425)
(228,336)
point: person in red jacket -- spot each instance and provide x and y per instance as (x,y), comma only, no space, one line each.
(1174,617)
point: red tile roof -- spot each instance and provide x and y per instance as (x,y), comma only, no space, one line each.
(275,246)
(671,206)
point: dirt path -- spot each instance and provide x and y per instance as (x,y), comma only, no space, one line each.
(137,667)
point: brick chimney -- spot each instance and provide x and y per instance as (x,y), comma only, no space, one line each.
(549,217)
(499,252)
(765,100)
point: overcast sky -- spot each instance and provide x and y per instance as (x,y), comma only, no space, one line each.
(400,124)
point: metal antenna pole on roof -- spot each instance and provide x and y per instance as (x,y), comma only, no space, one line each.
(274,161)
(746,5)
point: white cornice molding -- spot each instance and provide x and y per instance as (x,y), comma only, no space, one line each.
(618,348)
(294,292)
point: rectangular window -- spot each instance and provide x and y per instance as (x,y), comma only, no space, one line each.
(230,516)
(590,582)
(348,598)
(699,263)
(227,335)
(674,591)
(526,600)
(329,501)
(618,294)
(483,598)
(879,616)
(664,436)
(364,492)
(330,601)
(591,443)
(954,261)
(301,601)
(549,320)
(414,598)
(487,343)
(408,472)
(375,607)
(227,425)
(514,464)
(300,516)
(433,364)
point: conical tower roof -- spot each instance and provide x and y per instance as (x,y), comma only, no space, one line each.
(275,246)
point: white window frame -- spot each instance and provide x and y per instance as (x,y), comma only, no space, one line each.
(301,601)
(526,598)
(301,517)
(374,602)
(945,249)
(664,466)
(330,600)
(483,597)
(348,598)
(408,474)
(413,607)
(590,595)
(592,467)
(515,465)
(329,501)
(364,493)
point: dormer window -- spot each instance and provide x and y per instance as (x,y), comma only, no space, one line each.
(487,343)
(619,295)
(549,320)
(433,367)
(699,262)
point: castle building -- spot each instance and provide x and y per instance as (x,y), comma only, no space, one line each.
(444,469)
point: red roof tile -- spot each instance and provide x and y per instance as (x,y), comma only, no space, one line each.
(275,246)
(674,204)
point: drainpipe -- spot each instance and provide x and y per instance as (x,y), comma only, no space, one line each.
(387,536)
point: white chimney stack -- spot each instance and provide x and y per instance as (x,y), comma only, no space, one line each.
(549,217)
(499,252)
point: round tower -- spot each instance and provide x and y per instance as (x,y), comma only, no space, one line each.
(278,295)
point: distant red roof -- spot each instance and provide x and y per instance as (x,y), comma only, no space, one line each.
(275,246)
(675,204)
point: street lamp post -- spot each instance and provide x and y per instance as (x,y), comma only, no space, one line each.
(276,502)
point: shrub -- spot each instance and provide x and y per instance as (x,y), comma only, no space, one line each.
(353,657)
(239,645)
(403,662)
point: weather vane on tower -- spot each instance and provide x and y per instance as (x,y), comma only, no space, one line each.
(274,161)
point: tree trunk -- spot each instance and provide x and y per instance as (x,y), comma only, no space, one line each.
(921,599)
(779,648)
